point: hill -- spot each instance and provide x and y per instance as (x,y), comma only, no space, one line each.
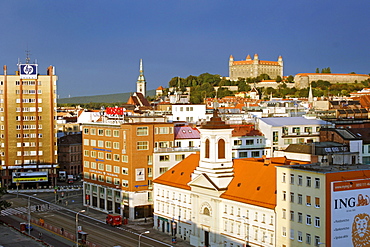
(106,98)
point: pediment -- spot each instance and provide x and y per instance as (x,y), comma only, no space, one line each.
(203,181)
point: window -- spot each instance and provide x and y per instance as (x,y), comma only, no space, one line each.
(150,159)
(100,166)
(108,168)
(179,157)
(108,132)
(299,236)
(116,145)
(116,133)
(100,132)
(284,195)
(93,131)
(308,219)
(300,180)
(101,144)
(300,199)
(116,169)
(142,145)
(163,130)
(284,213)
(108,144)
(317,222)
(142,131)
(237,142)
(300,217)
(308,238)
(317,240)
(291,178)
(108,156)
(125,158)
(164,158)
(284,177)
(291,215)
(249,142)
(124,183)
(221,149)
(93,165)
(86,164)
(100,155)
(317,202)
(86,142)
(255,154)
(109,180)
(317,183)
(116,181)
(207,149)
(116,157)
(93,143)
(291,233)
(124,171)
(86,153)
(163,170)
(100,178)
(291,197)
(284,231)
(308,200)
(308,181)
(296,130)
(150,172)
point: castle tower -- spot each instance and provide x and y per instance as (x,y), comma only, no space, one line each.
(215,155)
(141,83)
(248,58)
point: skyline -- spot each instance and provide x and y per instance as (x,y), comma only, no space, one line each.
(96,48)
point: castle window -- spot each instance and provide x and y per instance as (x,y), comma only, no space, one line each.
(221,149)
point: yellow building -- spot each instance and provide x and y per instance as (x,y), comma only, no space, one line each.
(28,127)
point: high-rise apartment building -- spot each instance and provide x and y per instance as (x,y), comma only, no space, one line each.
(28,151)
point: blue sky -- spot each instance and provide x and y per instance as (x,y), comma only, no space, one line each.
(96,45)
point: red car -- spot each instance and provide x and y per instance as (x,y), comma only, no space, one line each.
(114,220)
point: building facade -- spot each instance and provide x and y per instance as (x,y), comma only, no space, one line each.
(118,165)
(28,127)
(249,68)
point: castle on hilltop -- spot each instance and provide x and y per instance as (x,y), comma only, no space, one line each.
(253,68)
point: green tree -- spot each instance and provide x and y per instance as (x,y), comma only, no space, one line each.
(317,70)
(290,79)
(279,79)
(3,203)
(223,92)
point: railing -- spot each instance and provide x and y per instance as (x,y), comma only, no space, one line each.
(255,146)
(301,134)
(176,149)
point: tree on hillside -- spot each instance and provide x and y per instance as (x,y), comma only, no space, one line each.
(223,92)
(290,79)
(278,79)
(209,78)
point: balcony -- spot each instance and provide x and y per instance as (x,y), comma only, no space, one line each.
(255,146)
(292,134)
(176,149)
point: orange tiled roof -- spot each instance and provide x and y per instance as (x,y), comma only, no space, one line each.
(253,182)
(306,74)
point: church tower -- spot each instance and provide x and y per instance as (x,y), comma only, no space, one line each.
(141,83)
(215,154)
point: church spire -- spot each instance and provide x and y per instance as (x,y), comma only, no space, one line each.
(141,83)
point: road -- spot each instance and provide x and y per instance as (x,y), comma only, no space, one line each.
(60,217)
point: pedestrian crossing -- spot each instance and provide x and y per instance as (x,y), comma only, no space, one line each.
(34,208)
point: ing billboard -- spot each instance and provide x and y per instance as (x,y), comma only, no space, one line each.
(350,213)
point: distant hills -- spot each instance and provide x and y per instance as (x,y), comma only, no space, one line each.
(106,98)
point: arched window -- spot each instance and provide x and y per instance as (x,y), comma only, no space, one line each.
(206,211)
(221,149)
(207,149)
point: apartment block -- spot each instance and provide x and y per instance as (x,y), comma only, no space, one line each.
(28,127)
(118,165)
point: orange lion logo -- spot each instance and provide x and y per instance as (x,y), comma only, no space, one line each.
(361,230)
(363,200)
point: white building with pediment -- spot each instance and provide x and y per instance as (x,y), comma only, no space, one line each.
(209,199)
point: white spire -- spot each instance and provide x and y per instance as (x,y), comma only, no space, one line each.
(141,83)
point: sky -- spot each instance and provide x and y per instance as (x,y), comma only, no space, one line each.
(96,46)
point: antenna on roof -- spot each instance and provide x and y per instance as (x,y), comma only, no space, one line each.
(28,56)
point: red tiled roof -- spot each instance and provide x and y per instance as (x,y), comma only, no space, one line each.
(186,132)
(254,179)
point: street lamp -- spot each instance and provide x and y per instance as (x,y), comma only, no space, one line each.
(82,211)
(29,214)
(146,232)
(246,238)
